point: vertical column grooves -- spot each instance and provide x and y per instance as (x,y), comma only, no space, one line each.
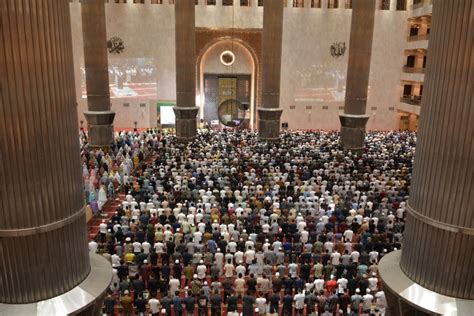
(185,38)
(354,119)
(360,51)
(185,53)
(40,182)
(435,257)
(99,117)
(272,36)
(270,112)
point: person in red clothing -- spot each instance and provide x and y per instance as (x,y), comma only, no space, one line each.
(331,285)
(145,271)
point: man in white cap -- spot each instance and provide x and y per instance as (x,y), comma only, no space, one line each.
(93,246)
(261,305)
(102,231)
(373,281)
(356,299)
(201,270)
(299,302)
(154,306)
(174,286)
(381,302)
(367,302)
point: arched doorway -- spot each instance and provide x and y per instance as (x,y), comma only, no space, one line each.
(227,69)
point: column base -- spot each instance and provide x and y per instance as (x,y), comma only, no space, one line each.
(404,296)
(100,128)
(269,124)
(186,125)
(352,133)
(84,299)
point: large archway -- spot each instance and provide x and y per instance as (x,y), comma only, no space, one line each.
(213,73)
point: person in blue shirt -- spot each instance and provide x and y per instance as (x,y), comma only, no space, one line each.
(177,304)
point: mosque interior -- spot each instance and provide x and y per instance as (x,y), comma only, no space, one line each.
(236,157)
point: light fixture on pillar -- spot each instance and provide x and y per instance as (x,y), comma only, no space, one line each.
(135,123)
(82,128)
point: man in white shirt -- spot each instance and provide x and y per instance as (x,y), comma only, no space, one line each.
(240,270)
(400,213)
(299,303)
(335,258)
(174,286)
(249,256)
(197,237)
(115,260)
(342,284)
(276,245)
(146,247)
(348,235)
(373,281)
(239,257)
(329,246)
(381,302)
(304,236)
(261,305)
(137,247)
(292,270)
(159,247)
(374,256)
(201,270)
(154,304)
(319,284)
(219,258)
(232,246)
(239,284)
(355,256)
(93,246)
(103,231)
(367,302)
(229,269)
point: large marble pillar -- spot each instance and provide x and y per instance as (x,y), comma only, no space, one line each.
(270,112)
(43,238)
(185,37)
(354,118)
(437,253)
(99,116)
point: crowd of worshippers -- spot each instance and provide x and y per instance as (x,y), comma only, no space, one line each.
(230,225)
(105,173)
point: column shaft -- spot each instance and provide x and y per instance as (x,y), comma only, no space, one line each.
(354,119)
(99,116)
(272,35)
(43,241)
(185,37)
(439,241)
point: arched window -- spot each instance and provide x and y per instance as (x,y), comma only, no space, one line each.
(401,5)
(384,4)
(315,3)
(333,4)
(298,3)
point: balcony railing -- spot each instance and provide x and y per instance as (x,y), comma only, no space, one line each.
(422,37)
(411,99)
(413,70)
